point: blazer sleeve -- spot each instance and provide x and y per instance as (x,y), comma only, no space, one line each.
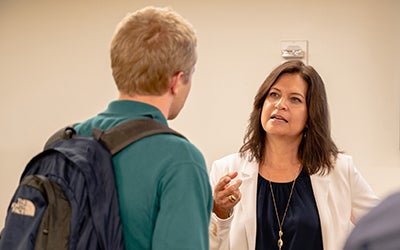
(219,229)
(363,197)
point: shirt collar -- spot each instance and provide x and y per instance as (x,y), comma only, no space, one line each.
(134,109)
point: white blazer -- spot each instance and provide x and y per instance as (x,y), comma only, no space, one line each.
(342,197)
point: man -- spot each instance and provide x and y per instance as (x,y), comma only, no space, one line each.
(379,229)
(163,187)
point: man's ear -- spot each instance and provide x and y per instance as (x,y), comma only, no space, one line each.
(174,82)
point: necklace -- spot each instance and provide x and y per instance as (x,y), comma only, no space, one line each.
(280,223)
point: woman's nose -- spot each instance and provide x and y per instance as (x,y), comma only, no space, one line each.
(280,104)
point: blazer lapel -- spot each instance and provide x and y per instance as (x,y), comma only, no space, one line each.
(320,185)
(248,202)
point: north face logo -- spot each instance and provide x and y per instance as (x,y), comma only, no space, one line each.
(23,207)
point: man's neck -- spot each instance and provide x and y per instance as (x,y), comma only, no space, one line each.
(162,102)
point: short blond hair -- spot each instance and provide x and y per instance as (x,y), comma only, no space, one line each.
(149,47)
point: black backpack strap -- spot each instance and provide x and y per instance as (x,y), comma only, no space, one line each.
(120,136)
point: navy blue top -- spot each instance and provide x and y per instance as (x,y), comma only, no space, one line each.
(301,227)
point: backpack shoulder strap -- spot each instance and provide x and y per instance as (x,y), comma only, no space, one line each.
(120,136)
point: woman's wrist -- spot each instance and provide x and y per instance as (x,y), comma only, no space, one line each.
(223,213)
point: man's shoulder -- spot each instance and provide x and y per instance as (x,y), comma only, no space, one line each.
(178,146)
(379,228)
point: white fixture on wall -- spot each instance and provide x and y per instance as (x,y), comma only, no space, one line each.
(295,49)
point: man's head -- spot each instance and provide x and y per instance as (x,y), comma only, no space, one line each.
(149,48)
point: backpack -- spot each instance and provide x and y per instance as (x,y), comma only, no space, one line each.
(67,198)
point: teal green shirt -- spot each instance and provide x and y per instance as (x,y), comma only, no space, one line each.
(163,186)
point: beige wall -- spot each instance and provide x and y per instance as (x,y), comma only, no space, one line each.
(55,70)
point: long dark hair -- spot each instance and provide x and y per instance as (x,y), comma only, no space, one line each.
(317,151)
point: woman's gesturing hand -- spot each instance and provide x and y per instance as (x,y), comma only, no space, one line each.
(226,195)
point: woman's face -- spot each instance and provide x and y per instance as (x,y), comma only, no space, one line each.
(284,112)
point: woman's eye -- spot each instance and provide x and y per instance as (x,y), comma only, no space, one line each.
(273,94)
(296,99)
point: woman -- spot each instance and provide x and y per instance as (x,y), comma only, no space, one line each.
(289,187)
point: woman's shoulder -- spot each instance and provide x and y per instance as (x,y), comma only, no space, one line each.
(344,165)
(343,161)
(233,162)
(231,159)
(343,170)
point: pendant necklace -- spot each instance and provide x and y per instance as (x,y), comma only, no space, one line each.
(280,223)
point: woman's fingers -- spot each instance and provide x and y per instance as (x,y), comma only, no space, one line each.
(226,194)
